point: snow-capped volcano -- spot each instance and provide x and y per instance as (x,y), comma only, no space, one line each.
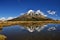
(32,15)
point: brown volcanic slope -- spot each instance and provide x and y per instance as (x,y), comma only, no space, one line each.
(30,18)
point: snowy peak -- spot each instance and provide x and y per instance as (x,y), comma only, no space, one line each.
(30,11)
(38,12)
(5,19)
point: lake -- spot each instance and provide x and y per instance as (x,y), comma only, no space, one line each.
(37,32)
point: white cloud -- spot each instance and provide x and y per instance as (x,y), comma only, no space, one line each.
(51,12)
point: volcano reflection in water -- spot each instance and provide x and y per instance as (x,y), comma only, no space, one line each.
(32,32)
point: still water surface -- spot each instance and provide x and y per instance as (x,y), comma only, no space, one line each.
(45,32)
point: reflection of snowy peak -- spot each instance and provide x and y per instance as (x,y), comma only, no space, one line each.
(30,29)
(38,28)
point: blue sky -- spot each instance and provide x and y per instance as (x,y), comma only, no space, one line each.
(13,8)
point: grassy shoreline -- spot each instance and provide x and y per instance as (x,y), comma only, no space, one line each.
(9,23)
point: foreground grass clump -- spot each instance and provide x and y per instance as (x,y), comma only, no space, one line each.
(2,37)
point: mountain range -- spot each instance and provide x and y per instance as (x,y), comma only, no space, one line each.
(32,15)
